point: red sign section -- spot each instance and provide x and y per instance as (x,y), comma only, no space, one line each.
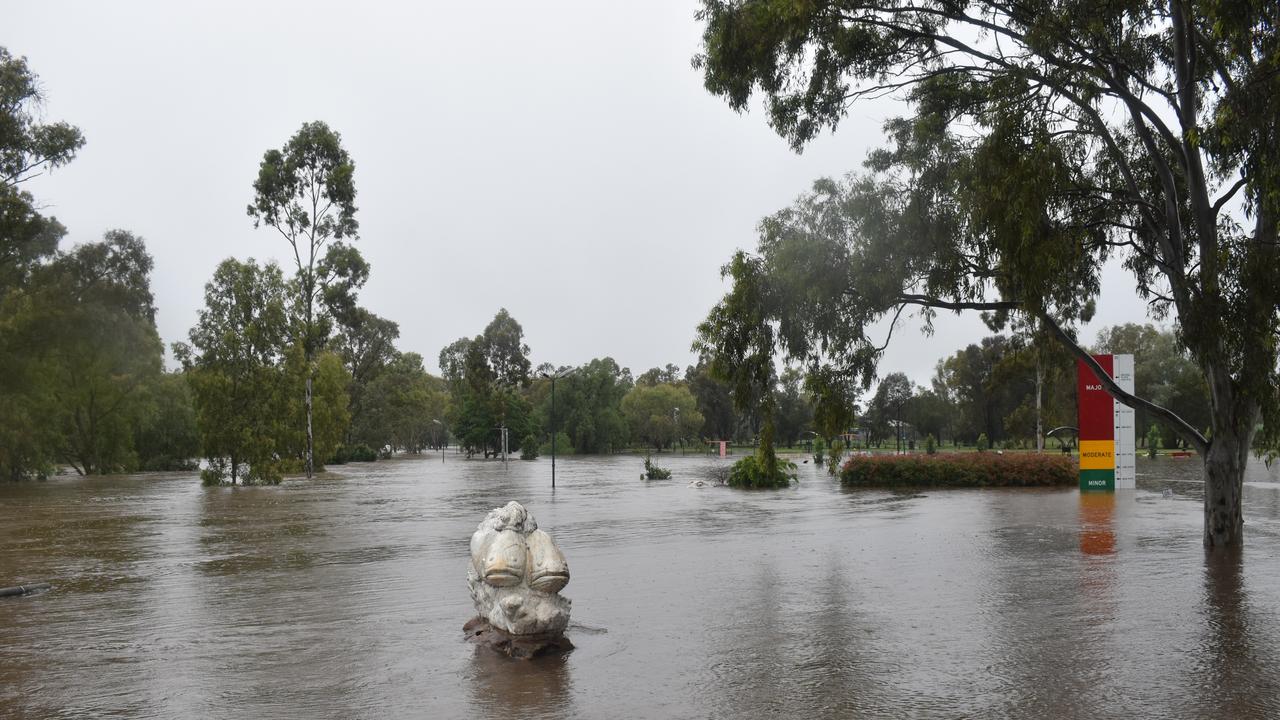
(1097,412)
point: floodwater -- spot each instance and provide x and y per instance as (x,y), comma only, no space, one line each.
(344,597)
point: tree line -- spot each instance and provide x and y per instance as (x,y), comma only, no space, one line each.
(1010,390)
(285,371)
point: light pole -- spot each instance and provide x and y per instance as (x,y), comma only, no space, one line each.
(675,428)
(553,377)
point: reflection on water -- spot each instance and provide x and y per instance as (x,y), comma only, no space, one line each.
(505,688)
(345,597)
(1097,536)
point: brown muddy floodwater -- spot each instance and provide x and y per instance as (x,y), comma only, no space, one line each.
(345,597)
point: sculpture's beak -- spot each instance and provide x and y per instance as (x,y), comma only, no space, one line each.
(548,571)
(504,559)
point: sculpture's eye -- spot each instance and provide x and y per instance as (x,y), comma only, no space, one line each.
(504,559)
(548,571)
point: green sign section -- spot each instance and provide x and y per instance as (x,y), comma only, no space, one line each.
(1097,479)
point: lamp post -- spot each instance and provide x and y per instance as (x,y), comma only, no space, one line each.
(675,428)
(446,437)
(553,377)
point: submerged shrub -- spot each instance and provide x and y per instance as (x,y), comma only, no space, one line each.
(959,470)
(653,472)
(749,472)
(837,454)
(819,451)
(529,447)
(353,453)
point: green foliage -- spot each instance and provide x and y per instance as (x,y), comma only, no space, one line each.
(352,453)
(165,435)
(305,192)
(78,347)
(888,407)
(669,375)
(402,407)
(715,402)
(529,447)
(366,344)
(983,444)
(661,415)
(1014,179)
(587,406)
(235,367)
(77,329)
(960,470)
(563,445)
(330,416)
(794,412)
(505,350)
(653,472)
(750,472)
(484,375)
(1163,373)
(836,456)
(1153,440)
(930,445)
(819,450)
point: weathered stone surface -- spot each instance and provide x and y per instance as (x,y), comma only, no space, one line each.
(516,574)
(522,647)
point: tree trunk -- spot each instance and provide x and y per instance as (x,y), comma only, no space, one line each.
(1234,421)
(1223,486)
(310,436)
(1039,419)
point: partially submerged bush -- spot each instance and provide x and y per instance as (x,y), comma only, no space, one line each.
(529,447)
(959,470)
(983,443)
(749,472)
(220,472)
(930,445)
(353,453)
(837,455)
(819,451)
(653,472)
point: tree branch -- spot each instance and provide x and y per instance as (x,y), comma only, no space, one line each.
(1182,427)
(927,301)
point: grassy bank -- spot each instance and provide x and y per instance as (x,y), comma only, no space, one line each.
(959,470)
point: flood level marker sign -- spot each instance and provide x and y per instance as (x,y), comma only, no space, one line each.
(1107,445)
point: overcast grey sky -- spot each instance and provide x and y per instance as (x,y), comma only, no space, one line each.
(559,159)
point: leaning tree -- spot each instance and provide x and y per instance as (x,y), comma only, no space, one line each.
(1044,138)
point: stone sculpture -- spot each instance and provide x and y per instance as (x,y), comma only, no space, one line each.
(516,575)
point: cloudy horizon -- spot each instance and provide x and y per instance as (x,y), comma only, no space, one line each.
(563,162)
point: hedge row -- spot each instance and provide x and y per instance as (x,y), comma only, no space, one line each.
(960,470)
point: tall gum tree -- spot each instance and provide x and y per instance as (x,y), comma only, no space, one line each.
(306,192)
(1045,137)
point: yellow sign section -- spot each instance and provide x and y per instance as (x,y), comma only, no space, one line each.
(1097,454)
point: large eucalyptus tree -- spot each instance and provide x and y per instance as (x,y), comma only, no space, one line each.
(306,192)
(1046,136)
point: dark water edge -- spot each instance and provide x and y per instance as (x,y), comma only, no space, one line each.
(345,596)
